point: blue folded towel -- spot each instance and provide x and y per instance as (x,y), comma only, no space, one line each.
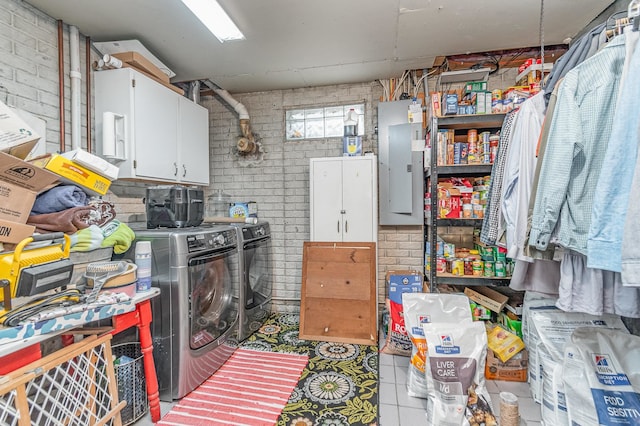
(59,198)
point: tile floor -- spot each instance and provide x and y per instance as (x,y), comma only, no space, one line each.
(396,408)
(399,409)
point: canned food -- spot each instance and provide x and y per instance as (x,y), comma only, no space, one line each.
(477,266)
(457,267)
(472,135)
(500,269)
(468,266)
(441,265)
(485,137)
(489,268)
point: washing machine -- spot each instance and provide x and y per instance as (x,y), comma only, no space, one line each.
(195,317)
(256,285)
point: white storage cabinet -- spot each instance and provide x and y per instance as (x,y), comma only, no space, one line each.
(344,199)
(166,135)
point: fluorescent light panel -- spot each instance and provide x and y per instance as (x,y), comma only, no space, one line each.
(215,19)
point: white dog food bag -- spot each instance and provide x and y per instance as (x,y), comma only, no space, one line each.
(550,330)
(601,374)
(422,308)
(456,357)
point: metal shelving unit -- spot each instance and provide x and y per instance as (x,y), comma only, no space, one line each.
(456,122)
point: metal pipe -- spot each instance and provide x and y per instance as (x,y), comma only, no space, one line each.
(88,89)
(61,82)
(76,77)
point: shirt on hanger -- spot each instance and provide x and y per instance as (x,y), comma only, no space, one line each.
(604,245)
(489,231)
(519,173)
(576,148)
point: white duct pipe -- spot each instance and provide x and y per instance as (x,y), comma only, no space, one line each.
(76,79)
(243,114)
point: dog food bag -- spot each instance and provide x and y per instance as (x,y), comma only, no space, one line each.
(422,308)
(553,409)
(601,374)
(396,339)
(550,330)
(534,300)
(455,375)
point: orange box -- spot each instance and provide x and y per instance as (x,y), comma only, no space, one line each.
(514,370)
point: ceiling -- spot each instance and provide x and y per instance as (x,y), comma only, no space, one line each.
(301,43)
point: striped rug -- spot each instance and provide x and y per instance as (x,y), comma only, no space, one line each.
(251,389)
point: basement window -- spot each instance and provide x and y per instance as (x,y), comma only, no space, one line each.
(323,122)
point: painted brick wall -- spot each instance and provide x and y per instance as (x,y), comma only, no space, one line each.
(29,68)
(279,181)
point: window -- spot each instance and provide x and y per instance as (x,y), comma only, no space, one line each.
(326,122)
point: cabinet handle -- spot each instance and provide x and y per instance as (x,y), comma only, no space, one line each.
(346,226)
(184,170)
(175,169)
(338,227)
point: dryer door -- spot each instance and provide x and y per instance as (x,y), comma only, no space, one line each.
(213,301)
(258,272)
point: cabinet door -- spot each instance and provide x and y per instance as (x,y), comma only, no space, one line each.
(156,130)
(326,200)
(193,143)
(358,199)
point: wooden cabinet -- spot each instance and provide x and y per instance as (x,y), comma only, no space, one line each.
(160,135)
(343,199)
(338,300)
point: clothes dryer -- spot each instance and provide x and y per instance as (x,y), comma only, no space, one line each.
(256,286)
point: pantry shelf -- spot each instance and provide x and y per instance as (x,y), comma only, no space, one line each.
(471,280)
(464,169)
(484,121)
(455,126)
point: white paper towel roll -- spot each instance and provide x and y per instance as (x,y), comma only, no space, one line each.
(113,131)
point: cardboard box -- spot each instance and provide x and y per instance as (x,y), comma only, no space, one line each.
(71,172)
(12,232)
(93,162)
(142,64)
(487,297)
(514,370)
(16,137)
(400,282)
(248,209)
(20,182)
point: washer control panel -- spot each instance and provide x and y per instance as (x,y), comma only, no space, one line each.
(211,240)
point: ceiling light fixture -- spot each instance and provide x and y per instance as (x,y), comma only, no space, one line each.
(213,16)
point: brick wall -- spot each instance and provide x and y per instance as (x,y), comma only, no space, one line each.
(279,181)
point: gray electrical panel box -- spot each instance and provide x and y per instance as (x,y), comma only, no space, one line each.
(400,169)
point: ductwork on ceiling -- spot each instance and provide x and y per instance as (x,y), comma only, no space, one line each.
(246,144)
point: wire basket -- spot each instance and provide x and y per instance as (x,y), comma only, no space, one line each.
(132,386)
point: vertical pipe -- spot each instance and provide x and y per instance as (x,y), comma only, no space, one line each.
(61,82)
(88,89)
(76,77)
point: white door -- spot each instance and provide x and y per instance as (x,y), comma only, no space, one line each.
(326,200)
(357,199)
(156,130)
(193,143)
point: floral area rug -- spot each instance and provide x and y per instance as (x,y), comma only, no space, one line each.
(339,385)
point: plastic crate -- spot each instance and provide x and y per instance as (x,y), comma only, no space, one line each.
(132,386)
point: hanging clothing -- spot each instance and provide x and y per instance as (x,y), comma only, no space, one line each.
(489,231)
(519,173)
(529,249)
(541,276)
(604,245)
(584,48)
(594,291)
(576,148)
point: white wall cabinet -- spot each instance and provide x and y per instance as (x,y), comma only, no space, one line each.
(163,137)
(343,199)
